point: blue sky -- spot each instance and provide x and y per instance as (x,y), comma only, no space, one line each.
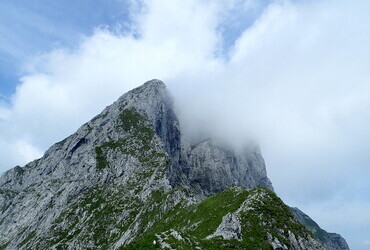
(294,75)
(29,28)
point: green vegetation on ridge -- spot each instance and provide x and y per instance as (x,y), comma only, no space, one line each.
(266,214)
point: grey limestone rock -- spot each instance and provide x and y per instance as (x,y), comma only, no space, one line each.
(107,184)
(214,167)
(229,228)
(114,149)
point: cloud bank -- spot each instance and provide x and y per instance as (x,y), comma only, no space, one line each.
(296,78)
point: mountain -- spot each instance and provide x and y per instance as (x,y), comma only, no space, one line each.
(129,179)
(328,240)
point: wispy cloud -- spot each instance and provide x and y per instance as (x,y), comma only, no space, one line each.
(4,97)
(366,242)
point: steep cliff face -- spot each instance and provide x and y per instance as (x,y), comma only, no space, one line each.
(115,181)
(116,161)
(215,167)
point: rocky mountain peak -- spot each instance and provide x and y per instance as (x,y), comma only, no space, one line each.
(154,84)
(115,181)
(147,97)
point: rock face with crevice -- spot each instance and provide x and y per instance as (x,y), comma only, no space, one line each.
(230,228)
(215,167)
(129,179)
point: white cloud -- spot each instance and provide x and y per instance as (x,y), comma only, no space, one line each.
(26,151)
(298,80)
(67,87)
(367,242)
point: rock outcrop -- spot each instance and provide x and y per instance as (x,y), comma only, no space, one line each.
(129,179)
(215,167)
